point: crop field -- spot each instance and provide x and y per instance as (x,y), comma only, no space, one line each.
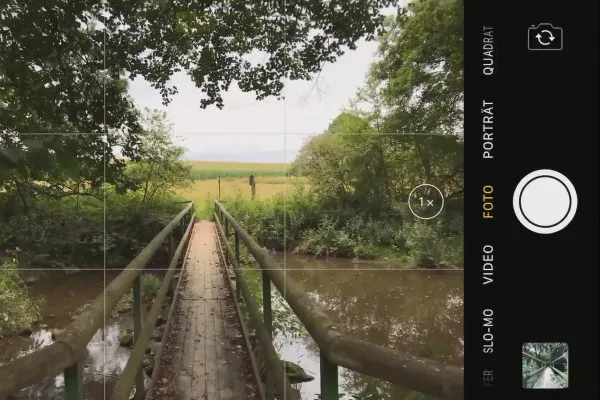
(214,169)
(269,178)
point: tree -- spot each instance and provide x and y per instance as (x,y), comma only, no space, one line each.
(63,67)
(53,80)
(354,164)
(212,40)
(419,79)
(159,168)
(343,161)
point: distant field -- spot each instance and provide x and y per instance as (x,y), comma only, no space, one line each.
(269,178)
(214,169)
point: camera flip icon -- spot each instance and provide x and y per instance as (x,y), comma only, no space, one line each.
(544,36)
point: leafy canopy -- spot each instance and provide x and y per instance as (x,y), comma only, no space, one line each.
(160,168)
(417,85)
(63,66)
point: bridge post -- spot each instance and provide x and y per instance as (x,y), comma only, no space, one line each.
(238,290)
(171,255)
(268,317)
(137,331)
(329,379)
(227,239)
(268,313)
(74,382)
(171,246)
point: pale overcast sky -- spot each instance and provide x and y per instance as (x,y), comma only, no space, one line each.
(246,125)
(260,131)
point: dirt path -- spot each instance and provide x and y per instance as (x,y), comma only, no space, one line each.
(205,357)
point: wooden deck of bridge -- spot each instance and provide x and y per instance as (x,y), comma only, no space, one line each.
(207,356)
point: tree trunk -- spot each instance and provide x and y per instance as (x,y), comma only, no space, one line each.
(25,205)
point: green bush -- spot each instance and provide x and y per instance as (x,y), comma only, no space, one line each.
(299,222)
(72,232)
(18,311)
(150,284)
(303,222)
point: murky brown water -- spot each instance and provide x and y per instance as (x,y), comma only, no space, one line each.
(104,358)
(420,312)
(415,311)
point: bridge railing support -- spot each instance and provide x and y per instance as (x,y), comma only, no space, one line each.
(64,355)
(329,378)
(275,375)
(74,382)
(337,349)
(268,317)
(137,332)
(237,263)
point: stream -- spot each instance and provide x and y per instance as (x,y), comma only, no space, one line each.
(104,358)
(415,311)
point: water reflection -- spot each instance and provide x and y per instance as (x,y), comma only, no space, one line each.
(104,359)
(415,311)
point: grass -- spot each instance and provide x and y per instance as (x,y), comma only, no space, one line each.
(214,169)
(269,177)
(204,192)
(17,310)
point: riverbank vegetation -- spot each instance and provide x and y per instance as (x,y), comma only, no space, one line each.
(60,218)
(86,185)
(17,308)
(403,129)
(359,211)
(61,212)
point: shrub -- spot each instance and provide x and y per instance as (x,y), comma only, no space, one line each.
(150,284)
(308,224)
(71,233)
(18,311)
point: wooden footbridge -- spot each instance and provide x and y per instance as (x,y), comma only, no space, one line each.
(208,364)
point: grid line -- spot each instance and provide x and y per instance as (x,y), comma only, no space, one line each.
(246,133)
(262,269)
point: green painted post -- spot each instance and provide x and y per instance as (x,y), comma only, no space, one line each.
(171,255)
(268,313)
(329,379)
(226,239)
(171,246)
(74,382)
(268,317)
(238,290)
(137,330)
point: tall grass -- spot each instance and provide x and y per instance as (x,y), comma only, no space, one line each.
(17,310)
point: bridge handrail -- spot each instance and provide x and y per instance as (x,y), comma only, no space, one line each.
(64,354)
(263,328)
(127,379)
(416,373)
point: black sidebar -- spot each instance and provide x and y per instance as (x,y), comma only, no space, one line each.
(531,206)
